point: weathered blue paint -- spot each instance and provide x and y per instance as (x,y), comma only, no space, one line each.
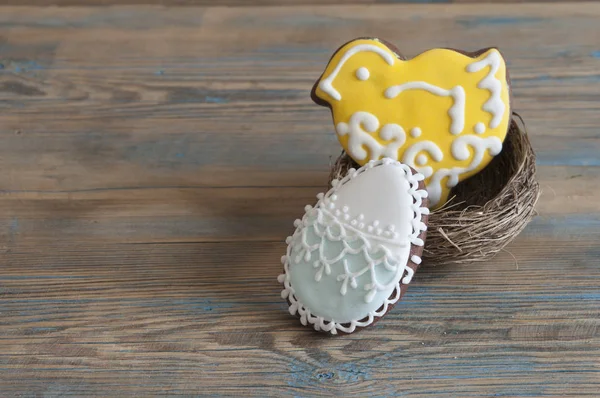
(117,18)
(178,187)
(354,371)
(24,66)
(540,78)
(557,79)
(430,295)
(584,157)
(308,376)
(291,50)
(327,371)
(589,221)
(563,228)
(44,329)
(293,20)
(422,1)
(190,303)
(299,373)
(159,72)
(205,305)
(13,227)
(595,54)
(478,22)
(215,100)
(187,95)
(325,375)
(34,320)
(205,148)
(34,277)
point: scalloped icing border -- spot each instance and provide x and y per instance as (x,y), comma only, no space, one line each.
(320,323)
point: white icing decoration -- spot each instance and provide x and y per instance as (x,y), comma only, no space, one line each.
(415,132)
(392,131)
(460,151)
(479,128)
(326,84)
(494,105)
(363,124)
(377,249)
(362,73)
(359,130)
(412,151)
(456,111)
(416,259)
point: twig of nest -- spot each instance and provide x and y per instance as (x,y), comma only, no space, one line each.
(486,211)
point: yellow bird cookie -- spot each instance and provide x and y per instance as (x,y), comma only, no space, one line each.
(444,113)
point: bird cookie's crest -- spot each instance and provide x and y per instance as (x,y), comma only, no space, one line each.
(445,113)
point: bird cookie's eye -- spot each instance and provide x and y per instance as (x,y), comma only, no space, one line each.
(362,73)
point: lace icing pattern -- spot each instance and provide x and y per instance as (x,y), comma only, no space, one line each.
(327,222)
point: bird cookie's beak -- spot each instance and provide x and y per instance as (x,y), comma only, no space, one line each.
(349,65)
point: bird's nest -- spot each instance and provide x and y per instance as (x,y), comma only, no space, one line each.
(486,211)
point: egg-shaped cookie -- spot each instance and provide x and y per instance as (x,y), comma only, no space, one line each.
(351,255)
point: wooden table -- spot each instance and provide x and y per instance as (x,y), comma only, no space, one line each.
(152,162)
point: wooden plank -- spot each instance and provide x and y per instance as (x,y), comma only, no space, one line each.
(197,214)
(153,161)
(173,97)
(245,3)
(178,318)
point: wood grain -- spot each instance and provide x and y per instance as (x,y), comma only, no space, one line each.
(153,161)
(246,3)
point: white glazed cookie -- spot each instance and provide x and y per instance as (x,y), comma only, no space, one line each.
(350,254)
